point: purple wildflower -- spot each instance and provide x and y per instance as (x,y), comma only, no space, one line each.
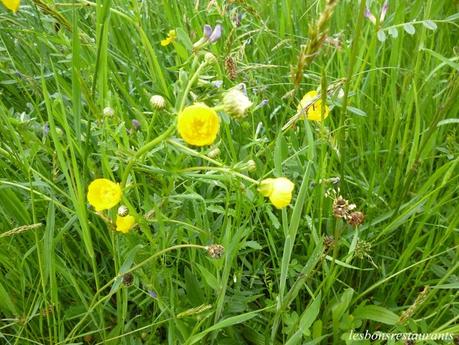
(216,34)
(207,31)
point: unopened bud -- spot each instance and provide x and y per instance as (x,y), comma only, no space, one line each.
(158,102)
(214,153)
(108,112)
(136,124)
(251,165)
(235,103)
(216,34)
(210,58)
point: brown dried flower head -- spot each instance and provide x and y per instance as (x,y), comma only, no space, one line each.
(128,278)
(215,251)
(356,218)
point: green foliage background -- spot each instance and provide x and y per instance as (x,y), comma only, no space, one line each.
(394,148)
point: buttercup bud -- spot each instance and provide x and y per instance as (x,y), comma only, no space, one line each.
(251,165)
(214,153)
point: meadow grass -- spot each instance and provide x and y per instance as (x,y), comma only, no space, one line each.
(293,276)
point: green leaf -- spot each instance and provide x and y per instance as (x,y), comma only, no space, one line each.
(273,218)
(356,111)
(442,58)
(409,28)
(194,290)
(376,313)
(208,277)
(447,286)
(393,32)
(381,35)
(429,24)
(223,324)
(447,122)
(253,245)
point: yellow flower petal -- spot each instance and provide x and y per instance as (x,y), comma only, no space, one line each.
(279,191)
(198,124)
(266,187)
(104,194)
(314,112)
(12,5)
(171,36)
(124,224)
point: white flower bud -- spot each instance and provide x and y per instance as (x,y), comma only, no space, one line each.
(108,112)
(235,103)
(158,102)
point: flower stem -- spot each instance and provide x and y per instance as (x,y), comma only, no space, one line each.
(226,170)
(190,84)
(144,149)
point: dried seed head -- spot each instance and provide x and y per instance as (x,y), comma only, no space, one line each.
(128,278)
(231,68)
(420,299)
(215,251)
(356,218)
(158,102)
(329,242)
(340,207)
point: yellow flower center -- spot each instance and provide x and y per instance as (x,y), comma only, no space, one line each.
(198,125)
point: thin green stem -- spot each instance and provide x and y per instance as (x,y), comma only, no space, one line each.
(144,149)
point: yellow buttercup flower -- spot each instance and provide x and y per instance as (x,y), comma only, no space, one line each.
(12,5)
(171,36)
(103,194)
(314,112)
(279,190)
(124,224)
(198,124)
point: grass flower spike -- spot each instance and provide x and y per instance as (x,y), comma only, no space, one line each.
(124,224)
(171,36)
(12,5)
(104,194)
(198,124)
(278,190)
(312,111)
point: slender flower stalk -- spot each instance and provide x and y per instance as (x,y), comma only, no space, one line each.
(144,149)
